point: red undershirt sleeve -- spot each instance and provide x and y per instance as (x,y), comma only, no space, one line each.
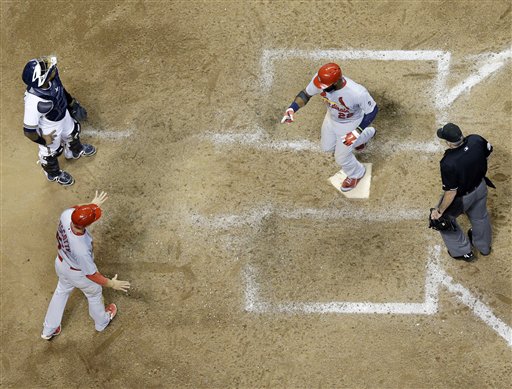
(98,278)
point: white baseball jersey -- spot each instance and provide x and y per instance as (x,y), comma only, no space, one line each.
(348,104)
(75,250)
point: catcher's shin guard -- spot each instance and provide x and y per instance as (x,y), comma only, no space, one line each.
(74,144)
(53,173)
(77,148)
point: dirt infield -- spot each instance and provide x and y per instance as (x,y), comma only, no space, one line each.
(247,266)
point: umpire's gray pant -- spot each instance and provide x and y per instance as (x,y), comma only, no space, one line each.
(475,207)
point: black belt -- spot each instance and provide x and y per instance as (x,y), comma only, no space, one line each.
(469,191)
(488,182)
(71,267)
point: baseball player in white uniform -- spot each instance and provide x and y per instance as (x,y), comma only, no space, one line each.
(75,268)
(350,111)
(52,118)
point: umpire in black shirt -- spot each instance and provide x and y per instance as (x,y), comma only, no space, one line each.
(463,170)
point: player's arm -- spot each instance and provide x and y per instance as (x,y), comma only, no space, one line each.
(113,283)
(368,118)
(448,197)
(300,101)
(86,262)
(31,133)
(34,109)
(450,185)
(369,108)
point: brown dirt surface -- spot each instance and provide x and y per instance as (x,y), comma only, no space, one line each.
(187,217)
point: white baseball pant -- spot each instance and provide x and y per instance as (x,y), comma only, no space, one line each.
(68,280)
(331,140)
(62,137)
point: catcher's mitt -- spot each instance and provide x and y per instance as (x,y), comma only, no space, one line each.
(444,223)
(77,112)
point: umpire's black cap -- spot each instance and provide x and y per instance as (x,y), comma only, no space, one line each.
(450,132)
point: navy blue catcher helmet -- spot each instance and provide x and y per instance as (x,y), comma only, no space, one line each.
(37,70)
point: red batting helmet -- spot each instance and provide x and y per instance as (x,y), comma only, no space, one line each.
(327,75)
(84,215)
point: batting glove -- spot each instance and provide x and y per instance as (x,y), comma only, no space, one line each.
(351,137)
(116,284)
(288,116)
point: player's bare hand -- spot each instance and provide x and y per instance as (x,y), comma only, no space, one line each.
(99,199)
(435,214)
(288,116)
(116,284)
(49,137)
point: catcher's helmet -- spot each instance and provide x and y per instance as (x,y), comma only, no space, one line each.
(328,75)
(85,215)
(37,71)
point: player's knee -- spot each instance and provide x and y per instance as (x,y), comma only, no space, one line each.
(341,160)
(328,148)
(370,131)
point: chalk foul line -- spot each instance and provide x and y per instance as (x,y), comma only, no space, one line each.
(435,277)
(490,63)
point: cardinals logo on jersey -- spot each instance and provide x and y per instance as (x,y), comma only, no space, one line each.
(342,104)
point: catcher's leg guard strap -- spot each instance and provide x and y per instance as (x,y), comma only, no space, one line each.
(74,143)
(51,165)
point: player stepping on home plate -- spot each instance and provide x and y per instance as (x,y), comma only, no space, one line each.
(350,111)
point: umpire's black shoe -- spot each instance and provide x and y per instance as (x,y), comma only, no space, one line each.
(470,236)
(469,257)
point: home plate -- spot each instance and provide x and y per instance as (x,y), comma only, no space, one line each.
(361,191)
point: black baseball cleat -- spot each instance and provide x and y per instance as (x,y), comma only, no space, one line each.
(470,236)
(62,177)
(469,257)
(87,151)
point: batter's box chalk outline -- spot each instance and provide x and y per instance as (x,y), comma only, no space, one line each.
(255,216)
(259,139)
(435,278)
(110,135)
(490,63)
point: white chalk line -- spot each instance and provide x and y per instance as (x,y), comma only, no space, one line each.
(259,139)
(480,310)
(491,63)
(444,96)
(256,216)
(107,134)
(270,55)
(435,276)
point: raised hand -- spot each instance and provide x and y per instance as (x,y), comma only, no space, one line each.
(99,199)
